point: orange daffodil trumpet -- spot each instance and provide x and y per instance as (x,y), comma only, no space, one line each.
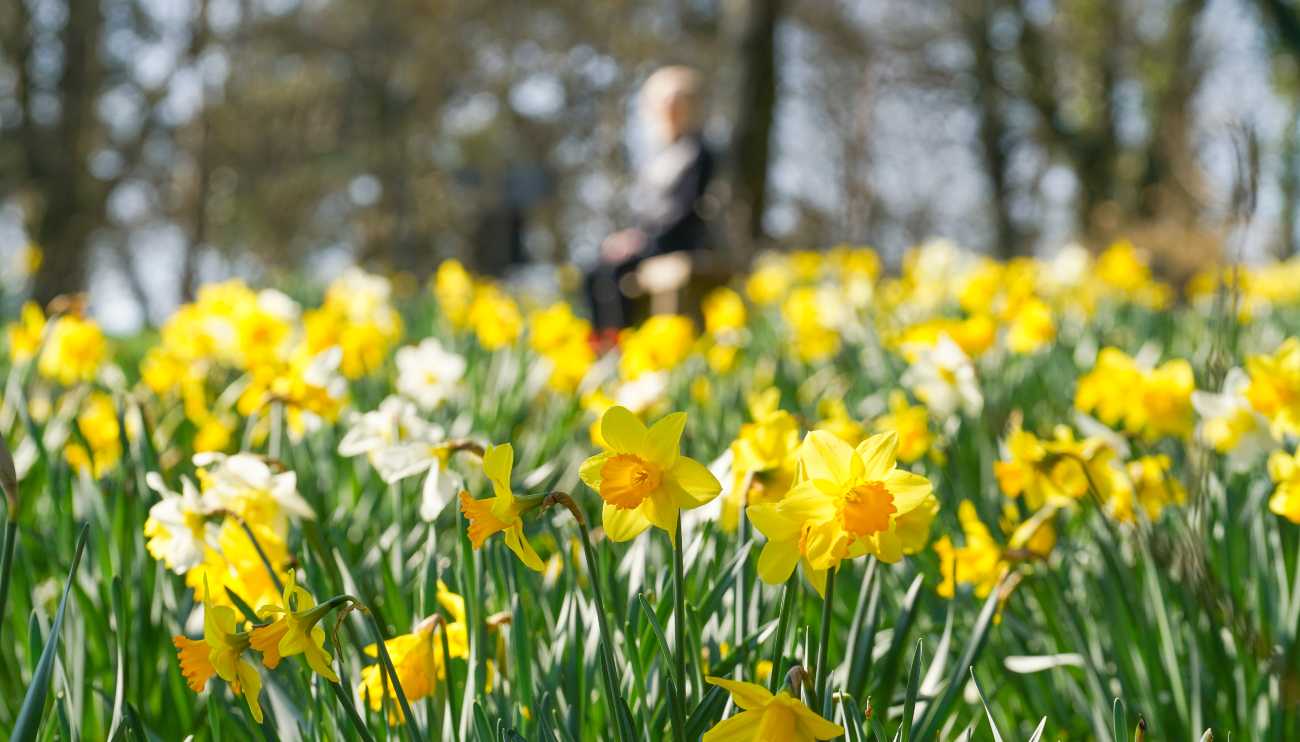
(847,502)
(642,477)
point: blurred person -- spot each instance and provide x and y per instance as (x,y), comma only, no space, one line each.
(668,189)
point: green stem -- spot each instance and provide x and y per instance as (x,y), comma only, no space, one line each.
(679,629)
(412,728)
(823,641)
(782,623)
(6,565)
(609,670)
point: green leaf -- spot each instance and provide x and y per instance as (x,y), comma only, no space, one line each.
(28,724)
(997,733)
(909,701)
(938,711)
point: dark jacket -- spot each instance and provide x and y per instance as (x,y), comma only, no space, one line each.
(668,195)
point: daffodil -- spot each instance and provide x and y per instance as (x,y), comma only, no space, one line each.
(503,512)
(427,374)
(765,717)
(178,531)
(294,630)
(848,503)
(942,377)
(1284,469)
(1150,483)
(1230,424)
(1133,395)
(911,423)
(25,334)
(99,427)
(223,657)
(658,345)
(1274,388)
(642,477)
(417,657)
(74,351)
(1054,470)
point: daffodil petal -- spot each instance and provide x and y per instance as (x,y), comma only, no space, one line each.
(746,695)
(621,524)
(909,490)
(664,438)
(661,511)
(878,454)
(743,727)
(623,432)
(515,540)
(825,456)
(497,463)
(772,523)
(589,472)
(696,479)
(813,725)
(777,561)
(807,502)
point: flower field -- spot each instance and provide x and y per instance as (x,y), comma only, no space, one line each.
(1046,499)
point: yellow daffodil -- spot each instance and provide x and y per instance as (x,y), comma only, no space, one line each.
(454,288)
(1146,402)
(1284,468)
(98,425)
(25,334)
(764,454)
(1274,388)
(294,630)
(501,513)
(660,344)
(417,657)
(911,423)
(765,717)
(848,503)
(1053,470)
(1031,327)
(1149,482)
(73,352)
(495,317)
(223,657)
(642,477)
(724,311)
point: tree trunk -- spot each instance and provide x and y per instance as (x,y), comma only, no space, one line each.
(70,202)
(756,106)
(988,99)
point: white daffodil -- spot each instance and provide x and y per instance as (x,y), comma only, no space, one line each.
(1230,425)
(245,485)
(641,393)
(178,530)
(427,373)
(944,379)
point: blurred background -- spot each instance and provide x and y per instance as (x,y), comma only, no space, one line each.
(148,146)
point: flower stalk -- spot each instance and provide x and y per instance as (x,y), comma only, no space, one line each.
(679,628)
(820,699)
(609,670)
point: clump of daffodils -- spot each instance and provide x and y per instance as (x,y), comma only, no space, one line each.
(1135,396)
(222,533)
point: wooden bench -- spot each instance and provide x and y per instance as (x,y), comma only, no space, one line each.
(677,282)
